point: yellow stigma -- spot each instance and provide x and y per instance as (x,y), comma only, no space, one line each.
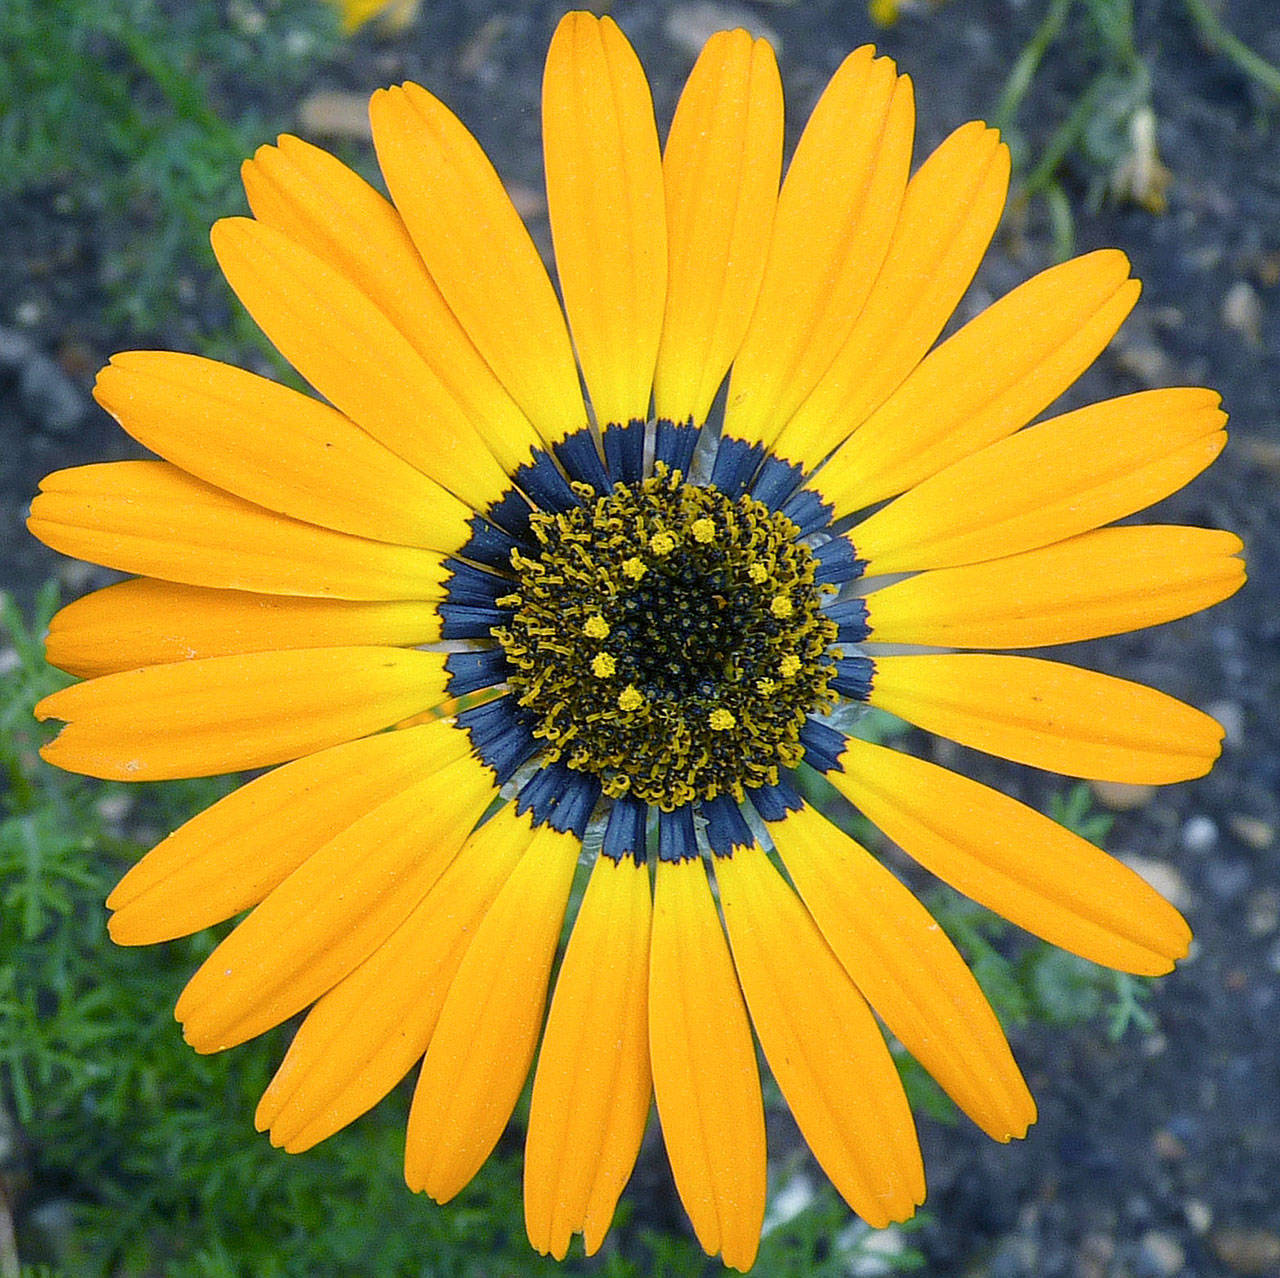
(780,606)
(596,627)
(603,665)
(758,573)
(703,530)
(662,543)
(789,665)
(722,720)
(630,698)
(634,568)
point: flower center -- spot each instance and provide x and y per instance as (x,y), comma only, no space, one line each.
(668,639)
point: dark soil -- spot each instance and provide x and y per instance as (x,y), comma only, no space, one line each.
(1155,1155)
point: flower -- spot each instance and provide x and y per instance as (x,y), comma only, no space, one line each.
(490,634)
(394,15)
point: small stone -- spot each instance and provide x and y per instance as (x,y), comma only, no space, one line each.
(1120,797)
(1163,877)
(332,113)
(1163,1251)
(529,201)
(1255,832)
(1199,1215)
(1242,312)
(1147,365)
(1262,912)
(690,26)
(50,396)
(1246,1251)
(1199,834)
(1230,714)
(15,348)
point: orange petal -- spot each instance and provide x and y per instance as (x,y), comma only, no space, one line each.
(226,714)
(721,168)
(605,201)
(322,205)
(908,970)
(836,214)
(949,214)
(985,381)
(277,448)
(151,518)
(330,331)
(822,1043)
(479,254)
(1048,482)
(1100,583)
(704,1068)
(364,1035)
(592,1088)
(1050,715)
(229,856)
(484,1041)
(1014,861)
(335,909)
(145,622)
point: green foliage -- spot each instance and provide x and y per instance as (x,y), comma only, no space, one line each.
(117,108)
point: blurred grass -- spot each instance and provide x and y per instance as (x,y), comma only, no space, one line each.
(137,115)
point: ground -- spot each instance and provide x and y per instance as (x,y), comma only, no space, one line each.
(1155,1154)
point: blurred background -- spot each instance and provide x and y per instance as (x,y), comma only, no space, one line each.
(1147,125)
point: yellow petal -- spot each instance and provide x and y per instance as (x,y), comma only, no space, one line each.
(355,357)
(335,909)
(592,1088)
(145,622)
(277,448)
(908,970)
(226,714)
(1014,861)
(987,380)
(484,1041)
(364,1035)
(232,854)
(1048,482)
(949,214)
(822,1043)
(1050,716)
(704,1068)
(835,216)
(151,518)
(479,253)
(1100,583)
(322,205)
(605,202)
(721,168)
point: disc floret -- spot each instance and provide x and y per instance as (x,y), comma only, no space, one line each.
(669,639)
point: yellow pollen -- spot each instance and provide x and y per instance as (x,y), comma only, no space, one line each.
(634,568)
(789,665)
(766,687)
(780,606)
(662,543)
(758,573)
(703,530)
(722,720)
(603,665)
(630,698)
(596,627)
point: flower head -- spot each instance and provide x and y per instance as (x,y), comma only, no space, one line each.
(490,630)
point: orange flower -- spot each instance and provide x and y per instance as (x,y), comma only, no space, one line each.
(494,633)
